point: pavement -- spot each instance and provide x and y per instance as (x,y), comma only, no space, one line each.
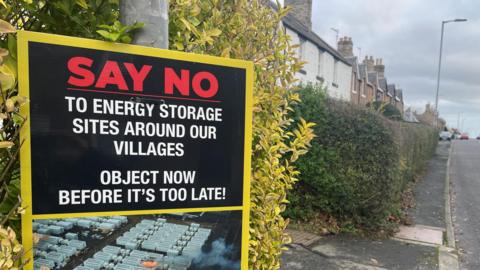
(346,252)
(420,246)
(429,207)
(465,179)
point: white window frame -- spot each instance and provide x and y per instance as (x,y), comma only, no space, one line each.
(301,48)
(353,83)
(362,89)
(335,72)
(320,63)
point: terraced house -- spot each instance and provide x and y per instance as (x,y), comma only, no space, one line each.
(323,64)
(339,70)
(368,82)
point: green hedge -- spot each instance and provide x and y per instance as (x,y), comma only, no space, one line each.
(359,163)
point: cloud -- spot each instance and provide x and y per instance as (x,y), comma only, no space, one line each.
(218,257)
(406,34)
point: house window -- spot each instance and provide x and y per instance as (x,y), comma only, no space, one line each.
(354,82)
(301,49)
(320,64)
(379,95)
(362,88)
(335,72)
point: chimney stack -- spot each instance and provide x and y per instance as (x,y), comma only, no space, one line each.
(345,46)
(369,63)
(380,67)
(301,10)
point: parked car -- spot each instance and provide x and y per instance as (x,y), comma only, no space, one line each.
(478,137)
(464,136)
(445,136)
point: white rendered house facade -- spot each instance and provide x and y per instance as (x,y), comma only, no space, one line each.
(323,64)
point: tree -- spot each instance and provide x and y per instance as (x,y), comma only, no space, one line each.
(251,30)
(82,18)
(388,110)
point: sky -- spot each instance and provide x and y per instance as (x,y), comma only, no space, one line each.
(406,34)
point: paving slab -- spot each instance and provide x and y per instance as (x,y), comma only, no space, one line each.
(422,234)
(302,238)
(352,253)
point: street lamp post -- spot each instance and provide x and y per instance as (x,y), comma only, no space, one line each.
(435,123)
(460,114)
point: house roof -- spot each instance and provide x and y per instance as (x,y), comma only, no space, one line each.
(409,116)
(391,89)
(383,84)
(362,70)
(399,93)
(373,77)
(291,22)
(353,60)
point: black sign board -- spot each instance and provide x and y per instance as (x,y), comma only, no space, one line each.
(116,131)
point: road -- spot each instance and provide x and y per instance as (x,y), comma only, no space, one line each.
(465,178)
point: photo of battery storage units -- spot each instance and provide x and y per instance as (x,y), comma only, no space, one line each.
(133,157)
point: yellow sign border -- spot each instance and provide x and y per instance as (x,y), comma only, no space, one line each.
(23,37)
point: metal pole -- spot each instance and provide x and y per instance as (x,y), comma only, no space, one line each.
(435,123)
(154,13)
(336,33)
